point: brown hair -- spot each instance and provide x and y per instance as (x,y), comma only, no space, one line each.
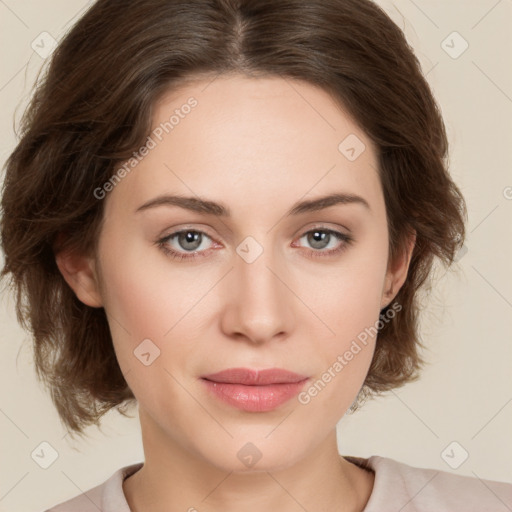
(93,108)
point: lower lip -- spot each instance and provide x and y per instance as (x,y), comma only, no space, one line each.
(255,398)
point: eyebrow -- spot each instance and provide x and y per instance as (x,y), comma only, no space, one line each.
(199,205)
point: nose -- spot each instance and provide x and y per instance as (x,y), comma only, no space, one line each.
(259,304)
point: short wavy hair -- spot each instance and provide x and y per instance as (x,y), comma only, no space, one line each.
(92,108)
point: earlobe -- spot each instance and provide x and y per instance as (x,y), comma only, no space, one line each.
(397,273)
(80,274)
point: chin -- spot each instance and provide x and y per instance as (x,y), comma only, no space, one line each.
(252,454)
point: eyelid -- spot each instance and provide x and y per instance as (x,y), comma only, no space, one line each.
(324,226)
(175,230)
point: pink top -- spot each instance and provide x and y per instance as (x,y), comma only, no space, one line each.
(397,487)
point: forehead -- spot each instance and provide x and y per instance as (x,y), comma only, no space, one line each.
(258,139)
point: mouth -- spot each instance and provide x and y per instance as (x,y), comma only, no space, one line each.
(254,390)
(249,377)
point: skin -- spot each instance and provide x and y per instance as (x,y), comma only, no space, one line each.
(258,145)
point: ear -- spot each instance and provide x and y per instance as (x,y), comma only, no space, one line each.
(80,273)
(396,273)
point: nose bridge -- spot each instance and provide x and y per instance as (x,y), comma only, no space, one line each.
(256,278)
(260,299)
(255,271)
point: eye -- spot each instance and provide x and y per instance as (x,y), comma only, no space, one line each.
(320,238)
(189,240)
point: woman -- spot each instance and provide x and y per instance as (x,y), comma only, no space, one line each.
(224,211)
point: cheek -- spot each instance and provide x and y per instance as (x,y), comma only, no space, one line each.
(346,297)
(152,333)
(350,310)
(143,291)
(348,304)
(148,298)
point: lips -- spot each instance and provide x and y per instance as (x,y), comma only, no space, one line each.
(249,377)
(254,390)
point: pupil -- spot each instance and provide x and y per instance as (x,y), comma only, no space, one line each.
(191,237)
(318,237)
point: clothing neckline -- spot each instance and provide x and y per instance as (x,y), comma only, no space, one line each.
(368,464)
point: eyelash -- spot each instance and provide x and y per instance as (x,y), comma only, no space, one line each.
(176,255)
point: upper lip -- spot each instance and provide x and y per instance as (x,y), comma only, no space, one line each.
(251,377)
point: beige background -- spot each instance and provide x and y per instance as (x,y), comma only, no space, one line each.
(465,395)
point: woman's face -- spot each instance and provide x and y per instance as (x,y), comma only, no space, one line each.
(260,286)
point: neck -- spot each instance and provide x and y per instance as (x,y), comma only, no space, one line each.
(173,478)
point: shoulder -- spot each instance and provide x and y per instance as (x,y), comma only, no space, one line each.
(107,496)
(398,486)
